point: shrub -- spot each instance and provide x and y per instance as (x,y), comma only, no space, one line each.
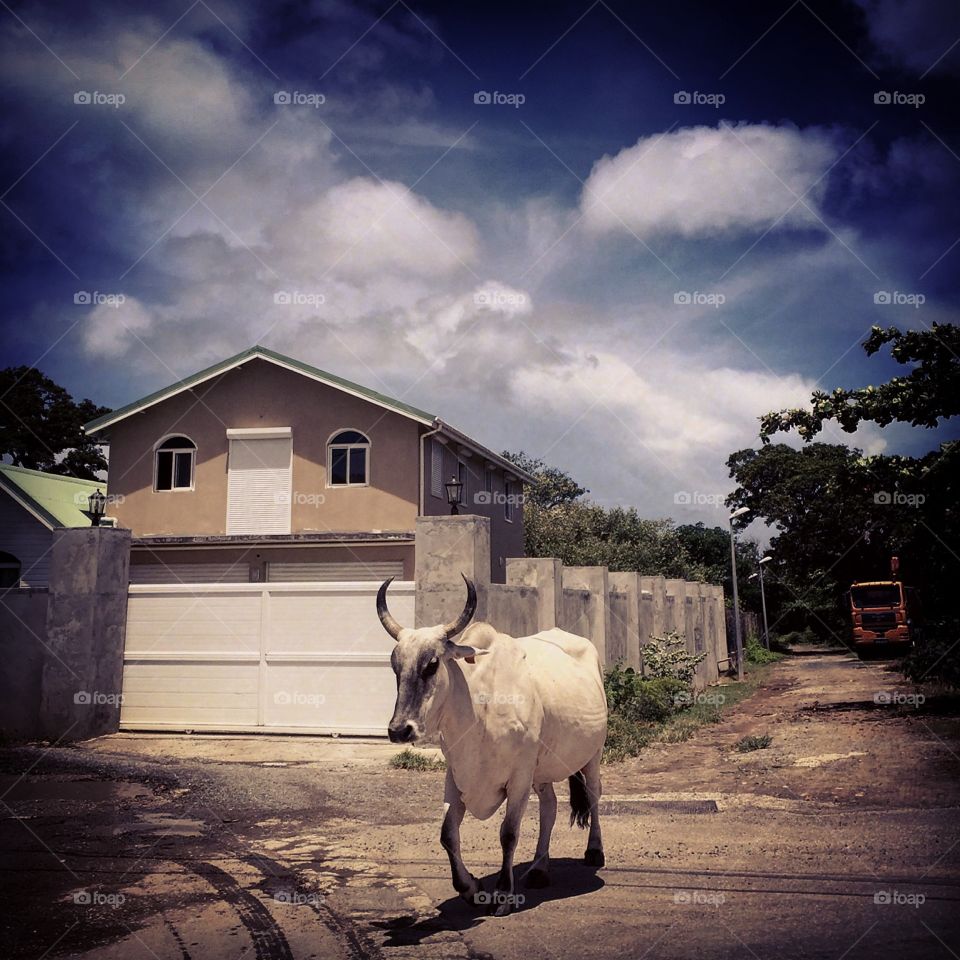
(642,700)
(936,656)
(666,657)
(756,652)
(756,741)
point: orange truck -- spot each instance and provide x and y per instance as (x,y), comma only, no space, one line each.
(884,613)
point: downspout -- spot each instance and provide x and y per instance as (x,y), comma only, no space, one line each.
(423,437)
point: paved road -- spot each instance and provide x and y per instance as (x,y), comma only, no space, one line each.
(838,841)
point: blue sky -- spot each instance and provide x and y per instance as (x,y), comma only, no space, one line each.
(663,223)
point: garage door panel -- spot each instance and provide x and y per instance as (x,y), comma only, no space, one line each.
(283,657)
(189,694)
(347,697)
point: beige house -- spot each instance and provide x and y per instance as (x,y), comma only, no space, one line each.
(263,468)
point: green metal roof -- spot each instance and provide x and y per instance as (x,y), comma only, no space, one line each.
(57,501)
(270,355)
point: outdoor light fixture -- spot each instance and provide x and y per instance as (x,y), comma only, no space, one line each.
(454,490)
(736,597)
(97,505)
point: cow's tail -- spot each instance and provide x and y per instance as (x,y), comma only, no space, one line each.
(579,800)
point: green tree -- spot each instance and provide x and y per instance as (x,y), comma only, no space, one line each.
(551,486)
(929,393)
(41,425)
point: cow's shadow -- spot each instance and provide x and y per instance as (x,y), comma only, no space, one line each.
(569,877)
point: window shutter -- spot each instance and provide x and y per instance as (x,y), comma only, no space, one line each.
(259,485)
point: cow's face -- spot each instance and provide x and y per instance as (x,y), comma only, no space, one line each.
(420,661)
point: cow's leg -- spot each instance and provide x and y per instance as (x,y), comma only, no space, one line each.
(518,793)
(467,885)
(594,855)
(539,873)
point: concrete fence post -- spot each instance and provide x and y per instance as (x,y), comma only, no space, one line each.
(81,682)
(447,547)
(629,584)
(545,575)
(589,613)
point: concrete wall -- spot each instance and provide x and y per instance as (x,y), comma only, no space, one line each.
(27,539)
(23,618)
(63,649)
(618,612)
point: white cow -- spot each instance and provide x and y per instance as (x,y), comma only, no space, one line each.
(511,714)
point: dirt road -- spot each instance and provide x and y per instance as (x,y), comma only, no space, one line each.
(839,840)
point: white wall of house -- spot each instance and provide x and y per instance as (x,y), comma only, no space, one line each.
(26,538)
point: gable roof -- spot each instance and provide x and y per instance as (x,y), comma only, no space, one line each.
(315,373)
(54,500)
(271,356)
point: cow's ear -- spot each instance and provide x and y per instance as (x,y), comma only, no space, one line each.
(458,651)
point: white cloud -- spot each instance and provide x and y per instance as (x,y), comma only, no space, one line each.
(920,34)
(111,329)
(703,181)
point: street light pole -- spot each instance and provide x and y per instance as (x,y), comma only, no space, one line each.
(736,595)
(763,602)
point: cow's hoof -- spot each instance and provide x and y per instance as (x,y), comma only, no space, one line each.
(594,858)
(501,909)
(473,893)
(537,878)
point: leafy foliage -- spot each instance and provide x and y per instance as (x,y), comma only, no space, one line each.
(930,392)
(551,487)
(755,741)
(408,759)
(666,657)
(41,426)
(639,699)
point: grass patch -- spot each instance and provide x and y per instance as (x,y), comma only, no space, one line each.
(416,760)
(756,741)
(756,652)
(645,711)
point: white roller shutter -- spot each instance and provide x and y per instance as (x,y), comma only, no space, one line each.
(212,572)
(259,477)
(317,572)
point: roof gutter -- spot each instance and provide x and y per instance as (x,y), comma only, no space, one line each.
(472,444)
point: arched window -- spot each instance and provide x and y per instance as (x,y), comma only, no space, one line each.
(9,570)
(348,459)
(174,463)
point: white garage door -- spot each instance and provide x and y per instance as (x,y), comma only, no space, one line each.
(300,658)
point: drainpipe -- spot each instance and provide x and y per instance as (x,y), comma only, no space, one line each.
(423,437)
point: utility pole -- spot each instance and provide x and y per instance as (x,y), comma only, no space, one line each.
(736,596)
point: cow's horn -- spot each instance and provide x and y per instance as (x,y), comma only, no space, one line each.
(389,624)
(455,626)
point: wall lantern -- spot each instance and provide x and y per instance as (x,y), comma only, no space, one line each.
(97,505)
(454,492)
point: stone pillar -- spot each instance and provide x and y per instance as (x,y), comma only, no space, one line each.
(653,601)
(629,583)
(675,618)
(86,625)
(447,547)
(594,583)
(545,575)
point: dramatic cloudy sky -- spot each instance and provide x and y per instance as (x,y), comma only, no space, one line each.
(665,220)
